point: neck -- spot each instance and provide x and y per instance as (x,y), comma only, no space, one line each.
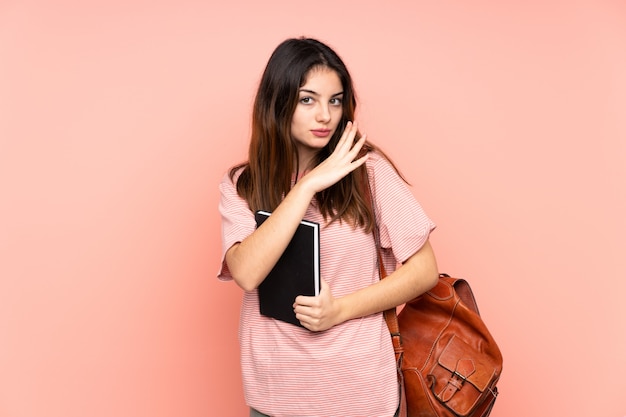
(304,164)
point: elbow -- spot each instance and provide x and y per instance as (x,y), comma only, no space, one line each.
(245,285)
(245,278)
(246,281)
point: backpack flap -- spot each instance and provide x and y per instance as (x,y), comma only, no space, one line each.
(460,376)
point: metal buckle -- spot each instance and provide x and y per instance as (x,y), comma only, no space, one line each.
(398,335)
(460,376)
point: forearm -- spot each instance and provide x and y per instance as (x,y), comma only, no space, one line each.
(416,276)
(252,259)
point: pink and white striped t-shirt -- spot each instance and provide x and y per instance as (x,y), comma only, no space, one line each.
(348,370)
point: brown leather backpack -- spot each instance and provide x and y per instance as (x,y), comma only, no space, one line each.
(450,364)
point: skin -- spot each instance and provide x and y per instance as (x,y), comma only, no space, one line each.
(317,114)
(314,121)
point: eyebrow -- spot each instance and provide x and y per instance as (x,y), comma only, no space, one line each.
(303,90)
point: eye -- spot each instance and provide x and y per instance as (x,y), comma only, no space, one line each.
(306,100)
(336,101)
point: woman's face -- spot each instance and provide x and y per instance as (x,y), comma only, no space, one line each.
(318,112)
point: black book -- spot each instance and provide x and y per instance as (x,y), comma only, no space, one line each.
(297,272)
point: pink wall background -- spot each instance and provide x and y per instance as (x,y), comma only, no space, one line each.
(117,120)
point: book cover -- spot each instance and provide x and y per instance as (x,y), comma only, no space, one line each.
(297,272)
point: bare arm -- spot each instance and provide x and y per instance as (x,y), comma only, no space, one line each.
(416,276)
(252,259)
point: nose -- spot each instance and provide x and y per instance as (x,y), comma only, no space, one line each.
(323,113)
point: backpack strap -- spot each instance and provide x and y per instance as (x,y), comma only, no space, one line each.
(390,315)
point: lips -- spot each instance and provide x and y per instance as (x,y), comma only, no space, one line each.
(321,133)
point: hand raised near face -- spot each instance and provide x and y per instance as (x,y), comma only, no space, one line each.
(340,163)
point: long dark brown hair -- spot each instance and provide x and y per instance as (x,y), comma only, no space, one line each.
(267,175)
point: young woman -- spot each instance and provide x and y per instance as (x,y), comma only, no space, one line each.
(305,162)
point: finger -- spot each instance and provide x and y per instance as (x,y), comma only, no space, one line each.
(347,137)
(307,321)
(310,320)
(304,320)
(358,144)
(301,300)
(358,162)
(355,152)
(306,324)
(351,147)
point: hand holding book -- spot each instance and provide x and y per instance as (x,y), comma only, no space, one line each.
(297,272)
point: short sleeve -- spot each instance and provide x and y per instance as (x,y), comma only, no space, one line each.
(237,221)
(403,225)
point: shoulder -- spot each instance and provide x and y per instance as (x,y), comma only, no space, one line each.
(232,175)
(378,166)
(375,160)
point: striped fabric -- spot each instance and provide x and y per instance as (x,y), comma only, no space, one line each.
(348,370)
